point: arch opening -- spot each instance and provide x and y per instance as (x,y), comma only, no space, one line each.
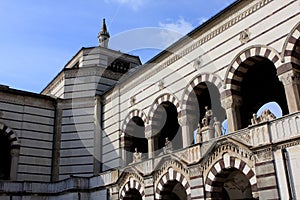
(231,184)
(258,86)
(204,94)
(132,194)
(173,190)
(5,157)
(165,125)
(135,138)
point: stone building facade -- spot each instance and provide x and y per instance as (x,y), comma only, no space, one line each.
(107,127)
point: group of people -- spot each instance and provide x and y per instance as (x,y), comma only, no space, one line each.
(206,121)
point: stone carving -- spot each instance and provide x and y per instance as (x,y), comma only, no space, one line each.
(137,156)
(199,135)
(244,36)
(168,146)
(265,116)
(161,84)
(217,127)
(207,117)
(264,155)
(197,63)
(290,78)
(132,101)
(255,119)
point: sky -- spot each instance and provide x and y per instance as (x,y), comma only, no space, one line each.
(38,37)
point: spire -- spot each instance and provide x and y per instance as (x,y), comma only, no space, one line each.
(103,35)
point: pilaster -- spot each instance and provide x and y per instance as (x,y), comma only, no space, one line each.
(197,184)
(14,152)
(97,136)
(57,141)
(291,83)
(149,188)
(267,185)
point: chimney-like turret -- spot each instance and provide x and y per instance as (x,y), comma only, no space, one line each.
(103,36)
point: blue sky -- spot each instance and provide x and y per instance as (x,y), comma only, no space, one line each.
(38,37)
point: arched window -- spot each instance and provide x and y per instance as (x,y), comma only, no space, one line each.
(165,125)
(259,86)
(135,138)
(204,94)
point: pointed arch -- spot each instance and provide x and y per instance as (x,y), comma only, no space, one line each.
(132,183)
(131,114)
(205,77)
(240,64)
(12,137)
(164,97)
(172,175)
(228,162)
(288,50)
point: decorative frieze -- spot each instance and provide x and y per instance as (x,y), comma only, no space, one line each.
(196,170)
(220,29)
(264,155)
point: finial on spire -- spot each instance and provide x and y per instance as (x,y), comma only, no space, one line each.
(103,35)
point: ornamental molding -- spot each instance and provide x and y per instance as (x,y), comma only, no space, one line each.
(217,31)
(196,171)
(127,175)
(238,150)
(175,165)
(54,84)
(290,78)
(287,144)
(264,155)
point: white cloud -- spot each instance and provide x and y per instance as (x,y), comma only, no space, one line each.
(174,30)
(202,20)
(134,4)
(180,26)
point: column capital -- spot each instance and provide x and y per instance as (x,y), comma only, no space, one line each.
(15,152)
(231,101)
(290,77)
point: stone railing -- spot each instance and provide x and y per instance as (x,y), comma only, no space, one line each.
(264,133)
(285,128)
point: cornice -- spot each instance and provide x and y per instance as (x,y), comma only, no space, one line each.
(202,40)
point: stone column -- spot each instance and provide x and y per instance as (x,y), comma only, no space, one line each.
(151,149)
(14,152)
(291,83)
(97,136)
(232,105)
(186,132)
(123,159)
(150,138)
